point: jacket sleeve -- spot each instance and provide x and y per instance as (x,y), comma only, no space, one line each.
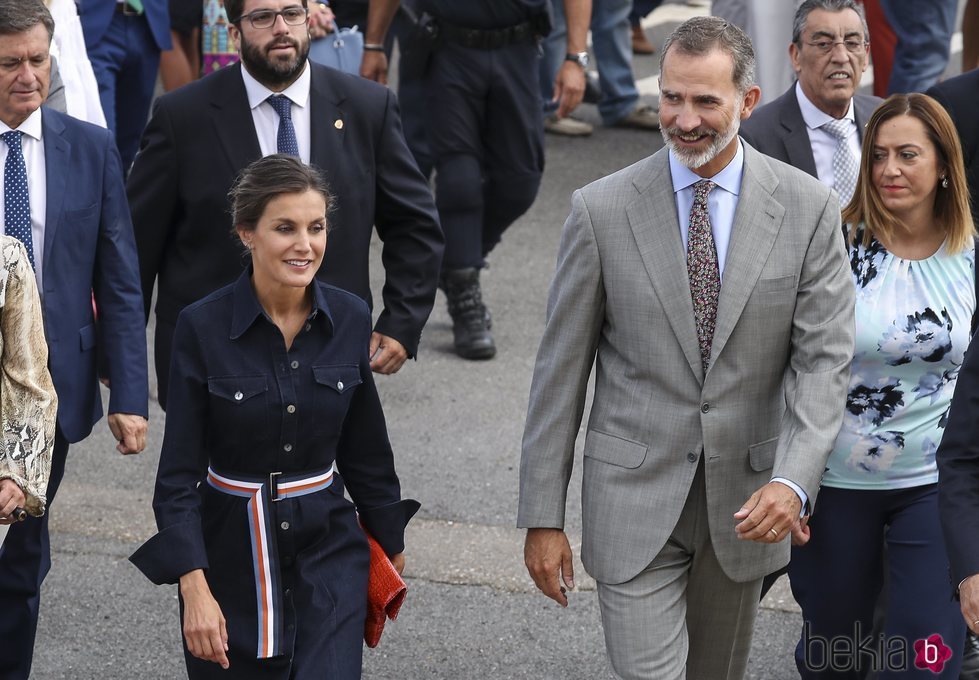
(117,294)
(366,462)
(407,223)
(28,403)
(152,191)
(179,546)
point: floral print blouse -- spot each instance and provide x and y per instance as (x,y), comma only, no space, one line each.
(913,321)
(28,404)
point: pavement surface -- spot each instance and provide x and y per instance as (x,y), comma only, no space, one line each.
(472,612)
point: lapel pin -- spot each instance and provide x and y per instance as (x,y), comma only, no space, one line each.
(338,124)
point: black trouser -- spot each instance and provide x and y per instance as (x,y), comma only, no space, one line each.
(25,559)
(486,137)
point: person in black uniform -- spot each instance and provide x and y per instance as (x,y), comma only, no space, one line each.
(272,400)
(485,132)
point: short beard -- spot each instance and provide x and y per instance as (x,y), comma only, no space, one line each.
(274,74)
(698,159)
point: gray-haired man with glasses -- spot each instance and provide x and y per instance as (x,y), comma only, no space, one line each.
(817,125)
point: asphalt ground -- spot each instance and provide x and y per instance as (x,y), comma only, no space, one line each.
(472,612)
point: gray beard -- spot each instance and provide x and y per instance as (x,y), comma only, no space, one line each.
(698,159)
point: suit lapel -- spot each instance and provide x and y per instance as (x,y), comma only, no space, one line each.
(795,135)
(756,223)
(57,152)
(652,217)
(327,121)
(232,120)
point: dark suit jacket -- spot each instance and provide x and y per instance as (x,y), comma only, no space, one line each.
(202,135)
(958,96)
(96,15)
(958,472)
(89,247)
(777,129)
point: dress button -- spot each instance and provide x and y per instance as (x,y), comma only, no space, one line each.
(340,385)
(295,365)
(239,396)
(692,457)
(287,448)
(704,408)
(285,526)
(291,408)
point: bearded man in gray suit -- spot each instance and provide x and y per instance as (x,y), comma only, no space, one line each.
(719,318)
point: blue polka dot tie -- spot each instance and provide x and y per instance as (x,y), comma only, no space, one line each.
(286,140)
(16,201)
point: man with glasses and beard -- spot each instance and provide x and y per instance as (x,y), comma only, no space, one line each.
(709,287)
(201,136)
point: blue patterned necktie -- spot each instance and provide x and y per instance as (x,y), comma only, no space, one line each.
(702,268)
(286,139)
(845,166)
(16,200)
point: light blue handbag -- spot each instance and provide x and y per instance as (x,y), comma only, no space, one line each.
(342,49)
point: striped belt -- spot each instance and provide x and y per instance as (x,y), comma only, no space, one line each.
(261,494)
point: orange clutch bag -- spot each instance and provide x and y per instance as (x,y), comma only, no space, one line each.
(386,592)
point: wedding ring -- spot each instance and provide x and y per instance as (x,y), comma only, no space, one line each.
(774,533)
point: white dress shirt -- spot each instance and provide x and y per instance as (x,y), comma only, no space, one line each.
(32,145)
(722,203)
(822,142)
(267,120)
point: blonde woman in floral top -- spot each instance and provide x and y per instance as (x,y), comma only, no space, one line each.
(27,400)
(912,253)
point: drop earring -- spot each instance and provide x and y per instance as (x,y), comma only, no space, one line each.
(944,182)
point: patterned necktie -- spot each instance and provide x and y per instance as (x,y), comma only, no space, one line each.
(286,140)
(702,268)
(16,200)
(845,166)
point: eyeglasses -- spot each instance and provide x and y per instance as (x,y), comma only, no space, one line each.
(265,18)
(852,46)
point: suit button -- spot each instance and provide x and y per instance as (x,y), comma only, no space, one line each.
(290,408)
(692,457)
(285,526)
(705,407)
(287,448)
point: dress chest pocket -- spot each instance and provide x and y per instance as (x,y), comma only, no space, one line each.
(240,401)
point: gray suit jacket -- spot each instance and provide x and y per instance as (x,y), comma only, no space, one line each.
(778,130)
(770,404)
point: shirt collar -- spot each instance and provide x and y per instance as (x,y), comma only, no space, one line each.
(257,93)
(31,127)
(247,308)
(728,178)
(813,117)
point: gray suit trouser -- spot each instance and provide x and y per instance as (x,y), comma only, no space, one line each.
(681,617)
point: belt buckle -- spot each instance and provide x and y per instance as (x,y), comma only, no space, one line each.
(274,486)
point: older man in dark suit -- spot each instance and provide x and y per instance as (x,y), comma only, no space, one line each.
(817,125)
(63,197)
(202,135)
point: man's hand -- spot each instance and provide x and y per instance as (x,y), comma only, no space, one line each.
(204,624)
(399,562)
(547,554)
(387,354)
(969,602)
(569,88)
(320,20)
(130,431)
(774,506)
(801,532)
(11,497)
(374,66)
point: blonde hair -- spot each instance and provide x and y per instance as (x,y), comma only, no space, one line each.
(951,210)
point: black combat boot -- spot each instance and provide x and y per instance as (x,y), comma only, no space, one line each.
(470,320)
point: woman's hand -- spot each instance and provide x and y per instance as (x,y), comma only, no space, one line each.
(320,20)
(204,625)
(11,497)
(399,562)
